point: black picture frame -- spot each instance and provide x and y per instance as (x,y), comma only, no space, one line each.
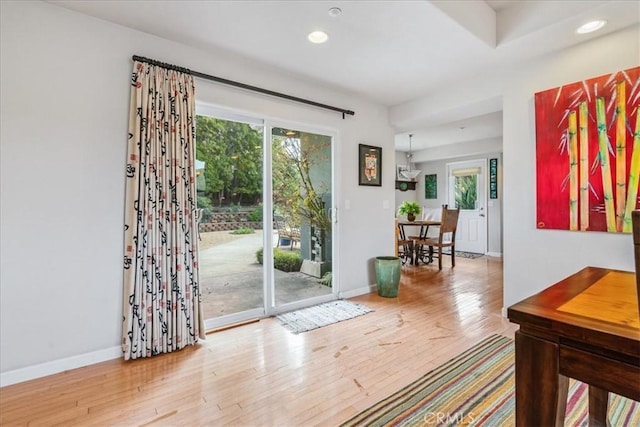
(369,165)
(493,178)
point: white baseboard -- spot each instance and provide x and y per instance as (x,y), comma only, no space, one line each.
(504,312)
(60,365)
(359,291)
(495,254)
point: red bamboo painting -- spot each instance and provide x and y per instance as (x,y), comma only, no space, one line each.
(588,153)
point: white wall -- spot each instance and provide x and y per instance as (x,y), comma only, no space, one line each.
(535,259)
(64,111)
(409,195)
(494,212)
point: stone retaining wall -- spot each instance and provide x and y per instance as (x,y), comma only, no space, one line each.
(229,217)
(231,225)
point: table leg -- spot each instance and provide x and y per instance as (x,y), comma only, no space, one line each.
(538,382)
(412,253)
(598,405)
(418,253)
(563,395)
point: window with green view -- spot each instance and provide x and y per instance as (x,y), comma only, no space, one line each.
(466,191)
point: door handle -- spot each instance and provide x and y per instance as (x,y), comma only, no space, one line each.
(333,215)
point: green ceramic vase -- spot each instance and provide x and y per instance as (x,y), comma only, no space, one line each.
(388,275)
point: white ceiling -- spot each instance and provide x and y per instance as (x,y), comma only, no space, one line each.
(392,52)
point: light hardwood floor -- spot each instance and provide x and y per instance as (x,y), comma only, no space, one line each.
(260,374)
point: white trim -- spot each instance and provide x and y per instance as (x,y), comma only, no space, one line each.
(494,254)
(504,312)
(233,318)
(357,292)
(297,305)
(60,365)
(228,114)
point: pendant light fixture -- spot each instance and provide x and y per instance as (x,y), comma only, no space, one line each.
(409,173)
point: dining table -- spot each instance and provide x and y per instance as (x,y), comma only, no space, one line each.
(587,327)
(417,252)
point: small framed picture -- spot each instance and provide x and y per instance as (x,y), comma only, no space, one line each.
(493,178)
(369,165)
(431,186)
(399,170)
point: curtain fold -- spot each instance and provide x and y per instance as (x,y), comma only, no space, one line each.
(162,302)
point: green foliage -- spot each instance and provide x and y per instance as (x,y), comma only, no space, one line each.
(243,230)
(285,181)
(204,202)
(301,170)
(408,207)
(234,208)
(301,179)
(466,191)
(287,261)
(232,153)
(255,215)
(327,278)
(207,205)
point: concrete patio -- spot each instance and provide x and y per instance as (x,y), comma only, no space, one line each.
(231,278)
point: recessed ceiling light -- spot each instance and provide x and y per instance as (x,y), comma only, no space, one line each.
(318,37)
(590,27)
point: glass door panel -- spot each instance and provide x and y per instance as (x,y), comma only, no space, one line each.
(229,164)
(302,226)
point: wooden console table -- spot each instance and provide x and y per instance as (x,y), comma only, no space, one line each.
(585,327)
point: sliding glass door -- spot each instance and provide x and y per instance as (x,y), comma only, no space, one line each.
(265,198)
(229,181)
(302,201)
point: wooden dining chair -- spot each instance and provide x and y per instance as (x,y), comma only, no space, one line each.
(404,247)
(446,237)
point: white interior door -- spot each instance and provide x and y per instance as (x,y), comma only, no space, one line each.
(467,182)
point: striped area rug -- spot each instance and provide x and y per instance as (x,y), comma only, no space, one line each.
(320,315)
(476,388)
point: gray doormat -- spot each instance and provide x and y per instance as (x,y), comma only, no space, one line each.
(461,254)
(321,315)
(470,255)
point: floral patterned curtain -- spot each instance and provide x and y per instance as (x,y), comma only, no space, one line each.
(162,306)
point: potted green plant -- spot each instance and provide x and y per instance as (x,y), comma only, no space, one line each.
(410,209)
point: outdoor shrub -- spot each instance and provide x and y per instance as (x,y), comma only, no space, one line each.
(256,214)
(204,202)
(243,230)
(287,261)
(327,278)
(206,214)
(206,205)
